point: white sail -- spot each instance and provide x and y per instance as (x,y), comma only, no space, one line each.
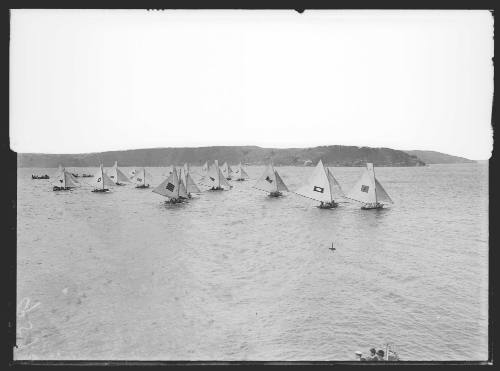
(70,180)
(280,183)
(101,180)
(170,187)
(141,177)
(182,190)
(226,170)
(382,195)
(191,186)
(267,181)
(318,185)
(240,172)
(335,187)
(204,168)
(364,189)
(116,175)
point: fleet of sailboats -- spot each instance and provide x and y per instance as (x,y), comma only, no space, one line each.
(369,191)
(270,181)
(179,185)
(322,186)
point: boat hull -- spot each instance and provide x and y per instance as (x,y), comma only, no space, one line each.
(328,205)
(56,188)
(142,186)
(216,189)
(375,206)
(275,194)
(104,190)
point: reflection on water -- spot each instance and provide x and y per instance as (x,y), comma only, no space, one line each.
(237,275)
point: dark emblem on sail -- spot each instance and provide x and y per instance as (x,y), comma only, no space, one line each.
(99,180)
(139,179)
(212,179)
(170,187)
(318,189)
(112,176)
(364,188)
(269,179)
(60,180)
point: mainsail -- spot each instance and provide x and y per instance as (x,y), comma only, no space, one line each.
(172,187)
(116,175)
(368,189)
(270,181)
(226,170)
(101,180)
(215,178)
(335,187)
(189,183)
(318,186)
(140,177)
(66,180)
(240,173)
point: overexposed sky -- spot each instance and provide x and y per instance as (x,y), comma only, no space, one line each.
(97,80)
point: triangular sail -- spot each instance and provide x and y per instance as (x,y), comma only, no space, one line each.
(70,180)
(318,185)
(267,181)
(364,189)
(191,186)
(116,175)
(101,180)
(222,180)
(169,187)
(213,177)
(226,170)
(140,177)
(240,172)
(182,189)
(382,195)
(281,186)
(335,187)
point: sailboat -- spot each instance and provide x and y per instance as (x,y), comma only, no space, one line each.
(117,176)
(215,179)
(139,177)
(101,181)
(369,191)
(172,188)
(65,181)
(226,170)
(240,173)
(321,186)
(188,182)
(271,182)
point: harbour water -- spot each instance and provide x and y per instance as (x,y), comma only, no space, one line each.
(236,275)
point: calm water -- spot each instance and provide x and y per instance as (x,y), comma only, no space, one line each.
(238,276)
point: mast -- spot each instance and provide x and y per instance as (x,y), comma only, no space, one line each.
(102,176)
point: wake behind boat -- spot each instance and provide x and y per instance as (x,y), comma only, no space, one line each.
(270,181)
(321,186)
(369,191)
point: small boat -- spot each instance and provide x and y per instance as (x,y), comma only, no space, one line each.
(226,171)
(270,181)
(172,188)
(75,175)
(241,174)
(87,175)
(215,179)
(33,176)
(117,176)
(188,182)
(101,181)
(64,181)
(140,178)
(369,191)
(321,186)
